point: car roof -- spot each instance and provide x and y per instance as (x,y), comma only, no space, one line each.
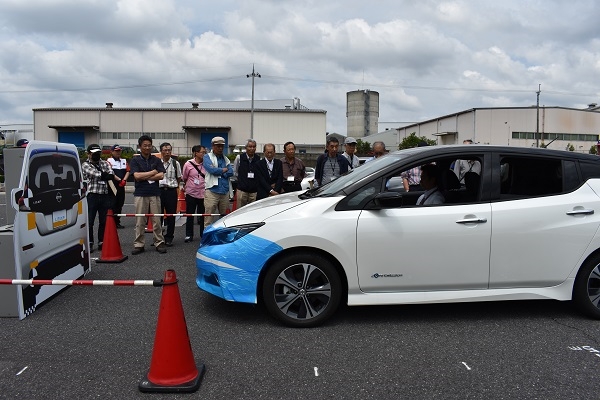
(474,148)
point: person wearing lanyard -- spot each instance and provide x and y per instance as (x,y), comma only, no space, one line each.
(330,165)
(219,170)
(194,187)
(245,167)
(270,171)
(350,153)
(429,182)
(168,190)
(293,169)
(147,170)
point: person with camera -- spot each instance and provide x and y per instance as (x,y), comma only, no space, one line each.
(98,174)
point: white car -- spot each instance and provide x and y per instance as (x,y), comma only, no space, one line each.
(308,179)
(525,228)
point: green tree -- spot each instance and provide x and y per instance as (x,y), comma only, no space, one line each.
(362,148)
(593,149)
(413,140)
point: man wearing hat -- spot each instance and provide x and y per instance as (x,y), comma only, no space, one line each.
(121,169)
(97,173)
(350,152)
(219,170)
(22,143)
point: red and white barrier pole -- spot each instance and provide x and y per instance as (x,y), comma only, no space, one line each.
(167,215)
(81,282)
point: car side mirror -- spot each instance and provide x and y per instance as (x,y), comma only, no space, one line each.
(385,200)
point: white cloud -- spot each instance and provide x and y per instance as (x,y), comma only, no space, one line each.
(425,58)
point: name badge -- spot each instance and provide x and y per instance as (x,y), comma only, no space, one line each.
(251,175)
(290,178)
(196,181)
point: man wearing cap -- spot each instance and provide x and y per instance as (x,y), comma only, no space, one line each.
(350,152)
(147,170)
(121,169)
(219,170)
(97,173)
(22,143)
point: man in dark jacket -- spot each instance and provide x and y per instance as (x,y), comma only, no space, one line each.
(330,165)
(245,169)
(270,172)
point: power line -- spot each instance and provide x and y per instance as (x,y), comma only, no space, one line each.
(143,85)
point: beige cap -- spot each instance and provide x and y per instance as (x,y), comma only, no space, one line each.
(217,140)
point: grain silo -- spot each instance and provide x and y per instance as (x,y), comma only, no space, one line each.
(362,112)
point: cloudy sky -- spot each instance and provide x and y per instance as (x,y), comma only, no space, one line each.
(425,58)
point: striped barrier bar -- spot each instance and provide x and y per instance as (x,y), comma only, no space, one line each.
(82,282)
(167,215)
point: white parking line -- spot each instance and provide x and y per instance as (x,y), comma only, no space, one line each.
(316,371)
(21,371)
(465,364)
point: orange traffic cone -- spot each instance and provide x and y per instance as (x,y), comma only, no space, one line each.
(111,248)
(180,201)
(172,368)
(149,227)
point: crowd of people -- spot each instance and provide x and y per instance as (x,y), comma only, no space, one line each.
(206,182)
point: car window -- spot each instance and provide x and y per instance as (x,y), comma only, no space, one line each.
(458,181)
(51,175)
(522,177)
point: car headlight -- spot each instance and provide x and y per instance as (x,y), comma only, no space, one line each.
(228,235)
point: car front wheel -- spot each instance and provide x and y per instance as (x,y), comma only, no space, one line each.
(586,292)
(302,290)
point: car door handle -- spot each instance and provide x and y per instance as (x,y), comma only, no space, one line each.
(471,220)
(579,212)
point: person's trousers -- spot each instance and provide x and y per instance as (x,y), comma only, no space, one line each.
(193,205)
(168,205)
(215,203)
(97,204)
(243,198)
(119,201)
(145,205)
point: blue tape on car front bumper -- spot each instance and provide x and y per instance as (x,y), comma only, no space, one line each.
(231,270)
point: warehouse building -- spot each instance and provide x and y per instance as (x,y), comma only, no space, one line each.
(185,125)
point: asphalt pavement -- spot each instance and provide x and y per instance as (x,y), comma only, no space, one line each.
(96,342)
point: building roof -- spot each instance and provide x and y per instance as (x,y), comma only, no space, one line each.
(177,109)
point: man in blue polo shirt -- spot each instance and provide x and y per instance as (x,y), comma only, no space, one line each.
(147,170)
(219,170)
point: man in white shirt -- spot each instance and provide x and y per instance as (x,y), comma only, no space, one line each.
(429,182)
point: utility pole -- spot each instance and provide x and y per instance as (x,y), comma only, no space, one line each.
(253,75)
(537,124)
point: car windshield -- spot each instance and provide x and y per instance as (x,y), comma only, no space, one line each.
(354,175)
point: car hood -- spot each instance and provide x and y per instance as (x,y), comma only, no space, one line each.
(260,210)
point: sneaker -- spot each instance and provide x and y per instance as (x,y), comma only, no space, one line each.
(119,226)
(169,243)
(188,239)
(161,248)
(137,250)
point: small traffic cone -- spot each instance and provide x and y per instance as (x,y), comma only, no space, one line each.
(172,368)
(111,248)
(180,201)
